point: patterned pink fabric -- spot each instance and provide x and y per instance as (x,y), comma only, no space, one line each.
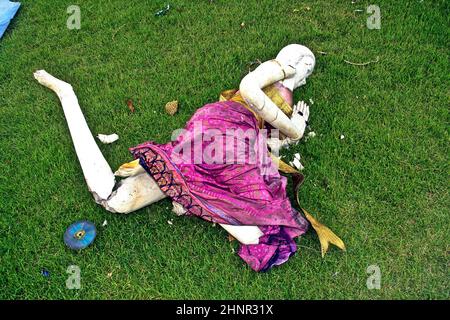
(244,193)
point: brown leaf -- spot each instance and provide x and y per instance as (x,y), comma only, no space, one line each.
(130,105)
(171,107)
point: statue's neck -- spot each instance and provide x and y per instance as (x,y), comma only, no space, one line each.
(285,92)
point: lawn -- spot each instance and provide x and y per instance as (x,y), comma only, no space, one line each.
(383,188)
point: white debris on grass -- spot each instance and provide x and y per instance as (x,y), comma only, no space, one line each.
(298,165)
(178,209)
(107,138)
(170,222)
(105,223)
(341,136)
(296,162)
(310,134)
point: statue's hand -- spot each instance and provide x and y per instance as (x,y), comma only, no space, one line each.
(300,116)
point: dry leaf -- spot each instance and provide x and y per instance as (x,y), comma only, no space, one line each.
(130,105)
(172,107)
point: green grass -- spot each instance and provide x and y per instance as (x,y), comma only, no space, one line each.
(383,189)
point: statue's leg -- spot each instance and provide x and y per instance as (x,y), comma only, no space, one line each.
(133,192)
(98,174)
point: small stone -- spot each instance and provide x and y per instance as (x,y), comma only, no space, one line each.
(341,136)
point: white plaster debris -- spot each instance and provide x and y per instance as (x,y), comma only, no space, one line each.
(108,138)
(178,209)
(298,165)
(296,162)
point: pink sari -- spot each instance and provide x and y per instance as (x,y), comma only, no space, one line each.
(244,193)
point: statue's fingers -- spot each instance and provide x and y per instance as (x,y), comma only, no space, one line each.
(306,112)
(302,108)
(296,107)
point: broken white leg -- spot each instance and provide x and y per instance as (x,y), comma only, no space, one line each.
(134,193)
(98,174)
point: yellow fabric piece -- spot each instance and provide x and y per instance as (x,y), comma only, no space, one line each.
(130,165)
(129,169)
(274,95)
(326,236)
(227,95)
(270,91)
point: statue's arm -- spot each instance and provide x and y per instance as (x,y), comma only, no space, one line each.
(251,86)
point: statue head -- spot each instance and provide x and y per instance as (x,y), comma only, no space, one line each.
(301,59)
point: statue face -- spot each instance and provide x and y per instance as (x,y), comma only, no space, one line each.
(299,57)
